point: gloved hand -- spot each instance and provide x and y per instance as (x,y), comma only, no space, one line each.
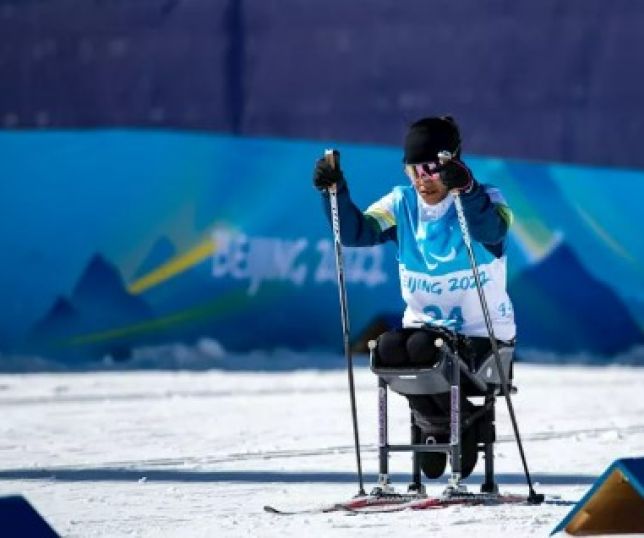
(325,175)
(455,175)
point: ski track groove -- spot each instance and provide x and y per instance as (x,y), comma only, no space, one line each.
(89,398)
(344,449)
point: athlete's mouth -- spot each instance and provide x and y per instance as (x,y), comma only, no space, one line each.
(429,191)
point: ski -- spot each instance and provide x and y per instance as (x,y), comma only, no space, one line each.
(356,504)
(430,503)
(400,502)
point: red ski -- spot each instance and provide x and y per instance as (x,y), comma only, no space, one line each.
(400,502)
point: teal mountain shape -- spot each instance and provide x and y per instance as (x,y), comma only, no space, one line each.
(99,302)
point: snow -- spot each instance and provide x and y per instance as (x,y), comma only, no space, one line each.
(199,453)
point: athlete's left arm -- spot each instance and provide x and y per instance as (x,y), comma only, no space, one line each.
(488,217)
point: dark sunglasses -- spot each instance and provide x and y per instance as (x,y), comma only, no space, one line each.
(423,169)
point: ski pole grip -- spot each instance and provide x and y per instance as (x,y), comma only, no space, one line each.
(330,156)
(444,157)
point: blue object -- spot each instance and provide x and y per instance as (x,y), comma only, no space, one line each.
(631,471)
(19,518)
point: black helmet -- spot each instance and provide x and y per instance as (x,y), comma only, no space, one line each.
(429,136)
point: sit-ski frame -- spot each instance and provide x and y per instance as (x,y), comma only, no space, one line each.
(453,448)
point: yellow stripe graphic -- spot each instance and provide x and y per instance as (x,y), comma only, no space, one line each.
(223,305)
(608,239)
(175,266)
(227,303)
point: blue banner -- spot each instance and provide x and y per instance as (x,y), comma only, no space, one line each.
(117,239)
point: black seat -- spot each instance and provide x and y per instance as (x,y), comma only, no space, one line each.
(483,380)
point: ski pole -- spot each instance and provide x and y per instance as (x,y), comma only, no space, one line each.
(533,497)
(331,156)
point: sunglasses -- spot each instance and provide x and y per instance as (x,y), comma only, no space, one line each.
(420,170)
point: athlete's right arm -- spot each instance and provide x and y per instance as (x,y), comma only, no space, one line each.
(357,229)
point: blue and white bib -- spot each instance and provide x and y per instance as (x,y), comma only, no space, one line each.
(435,275)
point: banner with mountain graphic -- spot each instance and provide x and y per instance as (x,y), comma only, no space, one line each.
(117,239)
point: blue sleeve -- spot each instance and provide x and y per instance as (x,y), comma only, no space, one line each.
(356,228)
(488,222)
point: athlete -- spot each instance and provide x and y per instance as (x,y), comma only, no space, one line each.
(436,280)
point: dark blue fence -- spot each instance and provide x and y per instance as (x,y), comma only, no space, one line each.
(549,80)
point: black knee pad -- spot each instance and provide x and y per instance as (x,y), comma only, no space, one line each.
(391,350)
(421,348)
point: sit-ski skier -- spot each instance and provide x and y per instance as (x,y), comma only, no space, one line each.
(434,269)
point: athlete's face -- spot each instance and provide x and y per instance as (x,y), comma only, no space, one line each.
(426,182)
